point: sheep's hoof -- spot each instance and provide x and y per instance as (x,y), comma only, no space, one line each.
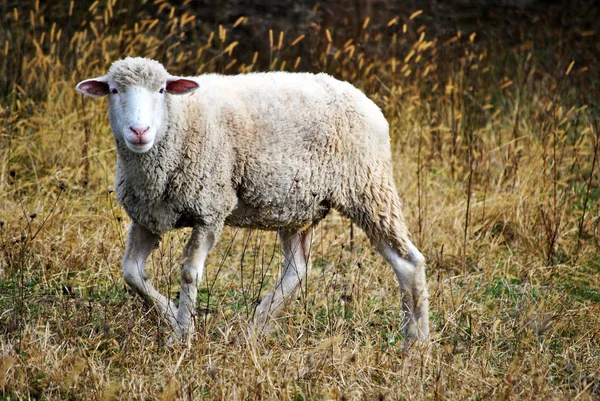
(181,336)
(258,324)
(262,324)
(410,343)
(168,313)
(415,336)
(173,340)
(179,339)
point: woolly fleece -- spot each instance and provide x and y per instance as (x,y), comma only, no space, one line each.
(265,150)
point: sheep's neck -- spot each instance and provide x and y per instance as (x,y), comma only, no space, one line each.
(143,180)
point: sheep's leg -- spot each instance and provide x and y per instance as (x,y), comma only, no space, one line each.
(140,243)
(410,272)
(296,251)
(194,256)
(378,212)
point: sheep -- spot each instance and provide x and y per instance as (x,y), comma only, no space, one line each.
(273,151)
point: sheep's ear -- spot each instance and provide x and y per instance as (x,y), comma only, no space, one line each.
(95,87)
(180,86)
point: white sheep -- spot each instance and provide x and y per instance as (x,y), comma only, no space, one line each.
(269,150)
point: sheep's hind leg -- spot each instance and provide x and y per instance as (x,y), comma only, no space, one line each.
(377,211)
(194,256)
(140,243)
(410,272)
(296,250)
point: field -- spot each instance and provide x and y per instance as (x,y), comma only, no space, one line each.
(494,116)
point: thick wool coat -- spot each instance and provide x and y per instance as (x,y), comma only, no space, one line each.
(265,150)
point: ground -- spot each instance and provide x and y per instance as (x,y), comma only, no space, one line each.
(494,126)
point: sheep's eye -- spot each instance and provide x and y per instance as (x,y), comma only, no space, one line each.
(161,90)
(114,91)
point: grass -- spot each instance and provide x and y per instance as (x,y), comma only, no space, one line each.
(495,137)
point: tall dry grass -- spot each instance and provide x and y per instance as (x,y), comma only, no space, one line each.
(495,138)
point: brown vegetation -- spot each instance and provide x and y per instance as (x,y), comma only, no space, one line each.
(495,132)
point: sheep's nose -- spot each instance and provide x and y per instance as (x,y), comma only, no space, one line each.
(139,131)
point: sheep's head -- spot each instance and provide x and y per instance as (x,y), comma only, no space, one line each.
(137,89)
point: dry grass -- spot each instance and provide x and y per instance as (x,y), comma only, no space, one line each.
(496,148)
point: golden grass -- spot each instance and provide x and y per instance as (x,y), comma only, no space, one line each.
(496,151)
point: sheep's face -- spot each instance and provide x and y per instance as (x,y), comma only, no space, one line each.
(137,91)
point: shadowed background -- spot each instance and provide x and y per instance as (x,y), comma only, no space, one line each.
(493,109)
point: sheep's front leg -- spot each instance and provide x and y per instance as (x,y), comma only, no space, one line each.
(296,250)
(194,256)
(140,243)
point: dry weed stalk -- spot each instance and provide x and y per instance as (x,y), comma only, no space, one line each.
(496,159)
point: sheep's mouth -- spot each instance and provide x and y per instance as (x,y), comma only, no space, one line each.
(139,142)
(139,147)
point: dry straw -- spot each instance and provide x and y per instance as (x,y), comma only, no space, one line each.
(496,158)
